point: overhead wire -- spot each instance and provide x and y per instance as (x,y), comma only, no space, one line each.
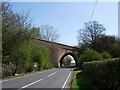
(93,10)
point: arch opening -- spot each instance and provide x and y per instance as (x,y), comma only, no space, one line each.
(66,57)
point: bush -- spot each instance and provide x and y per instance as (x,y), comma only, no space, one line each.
(6,70)
(90,55)
(115,50)
(29,65)
(105,73)
(23,61)
(106,55)
(40,56)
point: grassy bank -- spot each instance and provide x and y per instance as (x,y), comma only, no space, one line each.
(81,82)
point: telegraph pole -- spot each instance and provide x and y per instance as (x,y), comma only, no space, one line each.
(119,20)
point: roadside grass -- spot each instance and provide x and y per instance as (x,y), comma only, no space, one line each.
(81,82)
(23,74)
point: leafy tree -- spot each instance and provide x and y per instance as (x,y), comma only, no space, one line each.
(19,54)
(115,50)
(104,43)
(108,44)
(15,29)
(67,61)
(49,33)
(15,35)
(81,49)
(17,61)
(36,33)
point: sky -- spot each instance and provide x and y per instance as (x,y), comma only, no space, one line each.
(68,17)
(72,59)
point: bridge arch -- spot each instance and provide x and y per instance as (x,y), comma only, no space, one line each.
(57,51)
(66,54)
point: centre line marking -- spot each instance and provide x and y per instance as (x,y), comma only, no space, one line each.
(51,74)
(30,84)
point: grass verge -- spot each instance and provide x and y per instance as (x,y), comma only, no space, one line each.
(81,82)
(23,74)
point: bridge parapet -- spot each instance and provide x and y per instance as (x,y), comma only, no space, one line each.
(57,50)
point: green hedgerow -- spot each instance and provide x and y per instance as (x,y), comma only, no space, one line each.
(105,73)
(106,55)
(90,55)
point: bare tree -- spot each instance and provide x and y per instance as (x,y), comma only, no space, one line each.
(90,33)
(49,33)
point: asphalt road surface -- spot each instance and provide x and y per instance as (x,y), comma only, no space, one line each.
(53,78)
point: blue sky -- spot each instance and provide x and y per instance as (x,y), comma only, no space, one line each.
(69,17)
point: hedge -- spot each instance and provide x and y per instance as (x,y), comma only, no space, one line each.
(90,55)
(105,73)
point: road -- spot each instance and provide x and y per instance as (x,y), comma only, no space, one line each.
(53,78)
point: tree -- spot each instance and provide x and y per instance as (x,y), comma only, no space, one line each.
(104,43)
(36,33)
(15,35)
(115,50)
(90,33)
(49,33)
(67,61)
(18,54)
(15,28)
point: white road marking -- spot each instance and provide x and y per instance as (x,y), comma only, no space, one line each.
(30,84)
(66,80)
(25,75)
(51,74)
(21,76)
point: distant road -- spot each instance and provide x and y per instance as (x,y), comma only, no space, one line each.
(53,78)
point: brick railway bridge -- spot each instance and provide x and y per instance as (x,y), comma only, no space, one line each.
(57,51)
